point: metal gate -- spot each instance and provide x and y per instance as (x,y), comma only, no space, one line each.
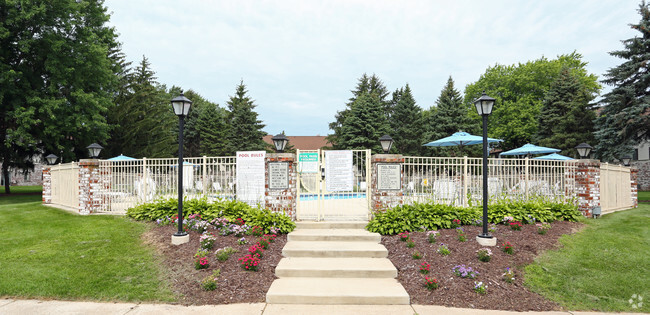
(333,185)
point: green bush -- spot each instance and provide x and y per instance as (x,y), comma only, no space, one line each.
(424,216)
(230,209)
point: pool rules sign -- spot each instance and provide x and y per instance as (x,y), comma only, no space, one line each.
(278,175)
(339,175)
(250,176)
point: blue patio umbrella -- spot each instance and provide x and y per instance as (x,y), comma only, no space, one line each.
(121,158)
(553,156)
(460,139)
(528,149)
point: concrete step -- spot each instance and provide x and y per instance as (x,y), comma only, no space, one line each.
(334,249)
(336,291)
(336,267)
(345,235)
(332,225)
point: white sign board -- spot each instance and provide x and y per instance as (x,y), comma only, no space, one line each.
(308,162)
(389,176)
(338,171)
(250,176)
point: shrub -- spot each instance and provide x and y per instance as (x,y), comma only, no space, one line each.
(461,234)
(256,250)
(480,288)
(507,248)
(542,228)
(223,254)
(201,259)
(509,276)
(404,236)
(443,250)
(207,240)
(484,254)
(431,236)
(417,255)
(436,216)
(425,268)
(430,283)
(464,271)
(209,283)
(410,244)
(515,226)
(264,243)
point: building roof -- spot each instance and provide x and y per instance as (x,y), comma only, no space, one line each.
(303,142)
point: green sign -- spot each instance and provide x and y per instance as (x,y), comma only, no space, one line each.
(308,162)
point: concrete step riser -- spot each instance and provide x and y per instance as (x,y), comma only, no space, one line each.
(335,238)
(337,300)
(332,254)
(335,273)
(331,225)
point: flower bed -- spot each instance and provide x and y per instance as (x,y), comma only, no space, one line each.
(454,290)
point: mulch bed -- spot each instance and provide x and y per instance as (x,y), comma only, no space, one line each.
(236,285)
(454,291)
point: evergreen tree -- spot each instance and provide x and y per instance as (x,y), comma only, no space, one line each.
(566,119)
(366,84)
(625,116)
(193,132)
(364,124)
(245,133)
(406,123)
(143,118)
(57,79)
(214,131)
(450,116)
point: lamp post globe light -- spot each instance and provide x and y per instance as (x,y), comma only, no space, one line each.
(94,150)
(484,106)
(51,159)
(386,143)
(626,160)
(181,106)
(280,142)
(583,150)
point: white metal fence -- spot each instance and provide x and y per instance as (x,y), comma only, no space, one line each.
(64,184)
(136,181)
(458,181)
(615,188)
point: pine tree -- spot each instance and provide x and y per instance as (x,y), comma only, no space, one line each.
(245,133)
(214,131)
(450,117)
(625,116)
(406,123)
(364,124)
(566,119)
(368,85)
(143,119)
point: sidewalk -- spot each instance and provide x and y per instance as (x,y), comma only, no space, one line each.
(10,306)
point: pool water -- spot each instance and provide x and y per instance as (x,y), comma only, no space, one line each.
(311,197)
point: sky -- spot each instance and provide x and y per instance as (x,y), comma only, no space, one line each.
(300,59)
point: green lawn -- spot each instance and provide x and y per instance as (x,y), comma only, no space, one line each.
(52,253)
(22,189)
(601,267)
(644,195)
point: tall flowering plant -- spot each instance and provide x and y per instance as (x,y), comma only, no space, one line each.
(461,234)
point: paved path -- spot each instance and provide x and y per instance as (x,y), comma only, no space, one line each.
(11,306)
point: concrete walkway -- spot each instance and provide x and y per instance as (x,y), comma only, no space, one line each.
(11,306)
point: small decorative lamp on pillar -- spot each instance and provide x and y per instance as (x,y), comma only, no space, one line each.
(626,160)
(280,141)
(51,159)
(583,150)
(386,143)
(181,105)
(94,150)
(484,106)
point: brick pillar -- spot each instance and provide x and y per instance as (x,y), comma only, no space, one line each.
(382,199)
(280,193)
(634,175)
(587,185)
(90,198)
(47,185)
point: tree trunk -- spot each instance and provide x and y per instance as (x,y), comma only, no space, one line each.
(5,175)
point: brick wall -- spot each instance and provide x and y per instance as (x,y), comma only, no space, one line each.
(588,185)
(384,199)
(47,185)
(634,174)
(643,177)
(282,200)
(89,187)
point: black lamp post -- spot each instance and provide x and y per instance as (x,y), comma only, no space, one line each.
(484,106)
(51,159)
(386,143)
(280,141)
(181,105)
(583,150)
(94,150)
(626,160)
